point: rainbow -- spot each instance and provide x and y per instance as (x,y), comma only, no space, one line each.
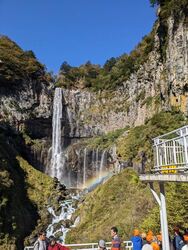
(96,180)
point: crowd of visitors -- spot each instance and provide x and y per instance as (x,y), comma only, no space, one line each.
(140,241)
(150,241)
(42,243)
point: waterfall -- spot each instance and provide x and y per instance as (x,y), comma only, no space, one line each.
(102,163)
(79,172)
(97,159)
(84,170)
(69,113)
(56,133)
(114,155)
(93,159)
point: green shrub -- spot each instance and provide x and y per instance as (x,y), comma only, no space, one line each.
(148,101)
(107,140)
(176,200)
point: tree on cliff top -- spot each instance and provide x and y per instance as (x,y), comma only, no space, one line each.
(18,65)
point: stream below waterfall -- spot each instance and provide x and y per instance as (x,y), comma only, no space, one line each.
(61,219)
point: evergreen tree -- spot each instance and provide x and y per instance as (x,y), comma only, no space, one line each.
(65,67)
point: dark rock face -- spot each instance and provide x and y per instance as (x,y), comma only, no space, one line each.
(38,128)
(31,99)
(18,215)
(26,107)
(37,150)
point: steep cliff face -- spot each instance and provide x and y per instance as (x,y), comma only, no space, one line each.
(25,99)
(31,101)
(159,84)
(27,110)
(177,63)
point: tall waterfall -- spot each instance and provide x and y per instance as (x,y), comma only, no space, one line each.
(56,134)
(84,172)
(97,159)
(114,155)
(102,163)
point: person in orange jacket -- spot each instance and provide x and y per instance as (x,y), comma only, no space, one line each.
(148,246)
(154,244)
(159,240)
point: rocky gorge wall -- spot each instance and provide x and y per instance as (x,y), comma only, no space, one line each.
(26,107)
(158,85)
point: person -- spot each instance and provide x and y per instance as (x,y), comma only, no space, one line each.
(159,240)
(185,247)
(54,245)
(144,241)
(116,242)
(136,240)
(154,244)
(148,246)
(178,239)
(185,235)
(41,242)
(150,233)
(102,245)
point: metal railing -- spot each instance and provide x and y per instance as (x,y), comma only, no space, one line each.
(91,246)
(171,151)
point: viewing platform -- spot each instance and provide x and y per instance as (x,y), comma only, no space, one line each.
(171,152)
(170,158)
(170,165)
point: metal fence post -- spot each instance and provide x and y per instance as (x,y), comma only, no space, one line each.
(185,148)
(161,214)
(164,216)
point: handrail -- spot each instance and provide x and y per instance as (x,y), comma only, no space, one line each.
(128,246)
(172,132)
(168,140)
(171,154)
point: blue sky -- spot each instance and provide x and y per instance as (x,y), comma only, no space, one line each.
(76,30)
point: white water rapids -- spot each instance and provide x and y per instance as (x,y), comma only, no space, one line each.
(65,214)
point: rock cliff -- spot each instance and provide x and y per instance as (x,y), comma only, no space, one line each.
(159,84)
